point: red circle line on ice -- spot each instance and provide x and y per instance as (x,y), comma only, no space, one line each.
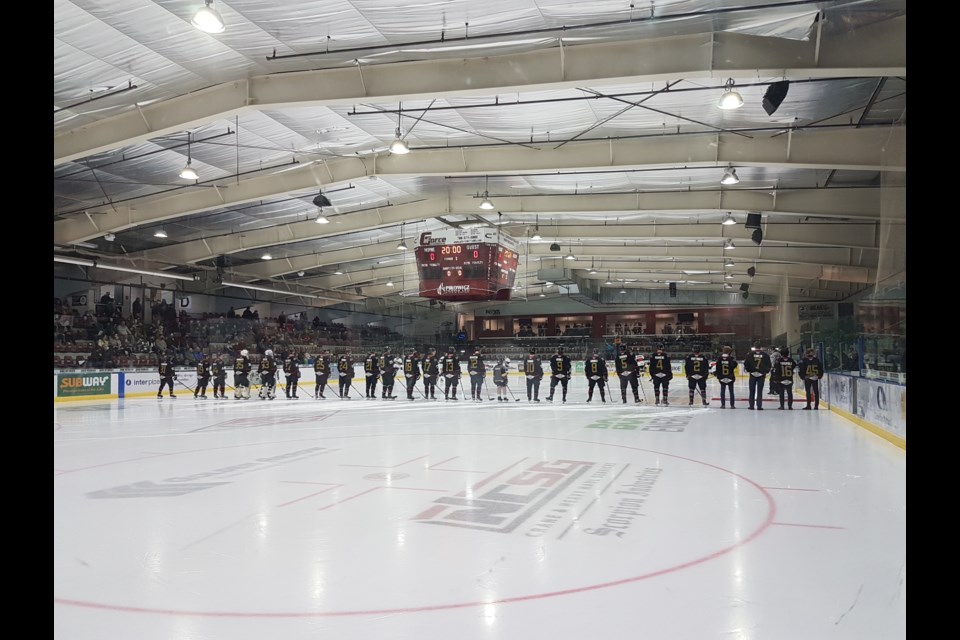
(763,526)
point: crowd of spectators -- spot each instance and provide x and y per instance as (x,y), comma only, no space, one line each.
(104,338)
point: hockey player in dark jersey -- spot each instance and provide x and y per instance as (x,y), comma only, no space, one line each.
(560,369)
(321,370)
(371,371)
(431,371)
(782,375)
(219,373)
(757,365)
(478,373)
(345,373)
(411,371)
(661,373)
(697,369)
(203,377)
(811,371)
(500,379)
(450,370)
(167,375)
(268,375)
(595,368)
(388,372)
(291,372)
(241,376)
(726,372)
(627,373)
(533,371)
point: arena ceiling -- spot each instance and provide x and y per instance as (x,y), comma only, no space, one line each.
(594,125)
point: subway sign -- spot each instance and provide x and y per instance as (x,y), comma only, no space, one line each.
(83,385)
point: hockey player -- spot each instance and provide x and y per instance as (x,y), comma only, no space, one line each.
(268,375)
(388,373)
(661,373)
(697,369)
(167,375)
(774,358)
(627,373)
(726,372)
(241,376)
(533,370)
(291,372)
(431,371)
(782,374)
(500,373)
(595,369)
(560,370)
(321,370)
(203,377)
(811,371)
(411,371)
(371,370)
(345,373)
(450,370)
(478,373)
(757,365)
(218,371)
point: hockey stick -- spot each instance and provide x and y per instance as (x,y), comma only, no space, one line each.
(486,389)
(515,398)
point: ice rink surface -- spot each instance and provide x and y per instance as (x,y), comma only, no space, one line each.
(358,519)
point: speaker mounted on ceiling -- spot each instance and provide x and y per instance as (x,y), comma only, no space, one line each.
(757,236)
(744,287)
(752,271)
(774,96)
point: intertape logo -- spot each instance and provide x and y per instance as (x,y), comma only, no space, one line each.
(453,288)
(83,385)
(546,498)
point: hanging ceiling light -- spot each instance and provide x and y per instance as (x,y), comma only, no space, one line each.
(593,270)
(728,276)
(536,230)
(188,172)
(608,279)
(729,244)
(301,273)
(389,283)
(159,233)
(730,98)
(623,290)
(398,146)
(570,255)
(208,19)
(338,272)
(727,285)
(485,203)
(403,245)
(728,220)
(729,263)
(266,256)
(730,176)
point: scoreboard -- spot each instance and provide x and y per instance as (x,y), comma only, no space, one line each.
(467,265)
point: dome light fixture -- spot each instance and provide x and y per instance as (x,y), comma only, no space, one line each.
(398,146)
(728,276)
(188,172)
(729,244)
(486,204)
(728,263)
(322,219)
(159,233)
(403,245)
(730,176)
(266,256)
(728,220)
(730,99)
(208,19)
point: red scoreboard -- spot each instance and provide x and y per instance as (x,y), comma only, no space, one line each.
(467,265)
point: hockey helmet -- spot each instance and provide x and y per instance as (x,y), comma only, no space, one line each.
(506,361)
(268,353)
(244,353)
(660,346)
(623,347)
(451,349)
(560,350)
(532,351)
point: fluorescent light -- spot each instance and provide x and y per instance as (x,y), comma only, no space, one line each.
(208,19)
(159,233)
(79,261)
(111,267)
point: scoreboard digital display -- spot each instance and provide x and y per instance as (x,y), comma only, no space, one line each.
(467,265)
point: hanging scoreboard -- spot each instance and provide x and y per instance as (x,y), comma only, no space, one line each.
(467,265)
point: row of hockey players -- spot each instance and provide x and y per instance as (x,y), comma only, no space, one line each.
(629,370)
